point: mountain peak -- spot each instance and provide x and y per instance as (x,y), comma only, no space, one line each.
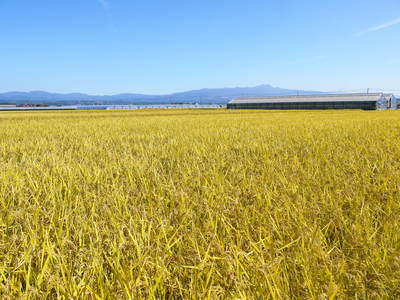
(206,95)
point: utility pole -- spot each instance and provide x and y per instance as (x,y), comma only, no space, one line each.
(367,91)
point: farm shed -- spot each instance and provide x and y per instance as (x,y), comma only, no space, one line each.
(324,101)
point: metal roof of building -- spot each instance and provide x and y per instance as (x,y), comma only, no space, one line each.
(311,98)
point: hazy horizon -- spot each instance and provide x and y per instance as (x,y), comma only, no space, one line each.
(370,90)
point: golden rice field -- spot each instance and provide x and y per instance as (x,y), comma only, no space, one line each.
(200,204)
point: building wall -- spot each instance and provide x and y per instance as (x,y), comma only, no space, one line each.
(394,102)
(366,105)
(388,101)
(382,103)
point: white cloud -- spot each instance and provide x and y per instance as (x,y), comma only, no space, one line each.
(381,26)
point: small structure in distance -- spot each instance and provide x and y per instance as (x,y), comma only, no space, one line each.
(376,101)
(8,104)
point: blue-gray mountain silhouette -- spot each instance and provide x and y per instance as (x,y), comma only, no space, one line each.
(215,95)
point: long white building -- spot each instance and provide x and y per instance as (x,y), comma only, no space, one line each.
(378,101)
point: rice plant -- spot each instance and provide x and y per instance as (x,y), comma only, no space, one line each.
(200,204)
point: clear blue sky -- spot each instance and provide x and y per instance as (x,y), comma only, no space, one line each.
(163,46)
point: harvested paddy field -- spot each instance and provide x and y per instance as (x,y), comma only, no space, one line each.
(194,204)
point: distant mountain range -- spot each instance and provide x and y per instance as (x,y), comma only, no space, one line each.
(204,96)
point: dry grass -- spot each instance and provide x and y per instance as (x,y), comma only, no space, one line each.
(200,204)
